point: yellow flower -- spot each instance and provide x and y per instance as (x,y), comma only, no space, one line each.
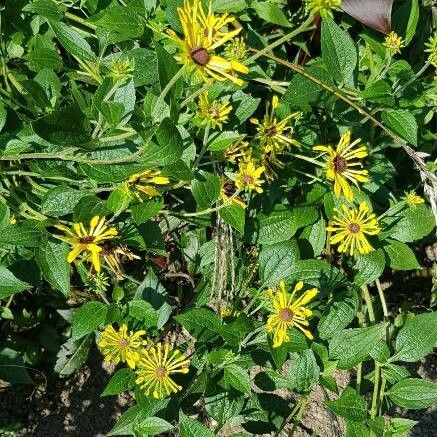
(350,227)
(236,50)
(239,151)
(121,346)
(111,255)
(289,311)
(155,367)
(145,183)
(342,163)
(413,199)
(122,69)
(211,26)
(214,113)
(88,241)
(393,42)
(248,177)
(271,133)
(431,48)
(322,7)
(227,190)
(197,47)
(228,311)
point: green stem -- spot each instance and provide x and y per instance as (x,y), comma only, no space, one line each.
(307,158)
(393,209)
(80,20)
(369,304)
(306,25)
(158,104)
(359,377)
(303,404)
(382,393)
(289,417)
(382,298)
(415,77)
(204,147)
(374,407)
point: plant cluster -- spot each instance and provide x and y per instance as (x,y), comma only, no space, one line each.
(216,196)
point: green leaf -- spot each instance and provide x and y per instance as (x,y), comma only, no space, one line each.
(351,346)
(245,105)
(12,367)
(87,318)
(51,256)
(303,372)
(238,378)
(338,51)
(136,415)
(228,6)
(122,380)
(405,19)
(88,207)
(273,228)
(317,273)
(43,57)
(146,66)
(379,92)
(415,223)
(192,428)
(205,188)
(400,257)
(349,405)
(3,115)
(369,267)
(203,324)
(276,261)
(64,127)
(60,200)
(143,311)
(235,216)
(123,20)
(141,212)
(119,199)
(400,427)
(26,233)
(339,312)
(417,338)
(152,426)
(271,13)
(224,406)
(222,140)
(169,146)
(402,122)
(46,8)
(72,41)
(9,284)
(72,355)
(315,235)
(413,393)
(356,429)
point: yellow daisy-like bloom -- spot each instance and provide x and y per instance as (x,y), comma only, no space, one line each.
(322,7)
(111,255)
(121,346)
(227,191)
(88,241)
(412,199)
(239,151)
(393,42)
(350,227)
(200,41)
(211,26)
(289,311)
(271,132)
(431,48)
(236,50)
(214,113)
(146,181)
(342,163)
(155,367)
(248,177)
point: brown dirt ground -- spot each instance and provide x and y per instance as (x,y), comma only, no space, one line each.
(72,407)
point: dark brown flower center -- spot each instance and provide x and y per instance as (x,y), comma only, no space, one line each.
(160,372)
(229,188)
(340,164)
(214,113)
(123,342)
(199,55)
(270,131)
(87,239)
(248,179)
(354,228)
(286,314)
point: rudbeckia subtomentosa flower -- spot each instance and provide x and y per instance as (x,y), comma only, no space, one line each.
(273,134)
(88,241)
(199,43)
(121,346)
(155,368)
(343,164)
(289,311)
(350,226)
(393,42)
(146,183)
(214,113)
(322,7)
(249,177)
(412,199)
